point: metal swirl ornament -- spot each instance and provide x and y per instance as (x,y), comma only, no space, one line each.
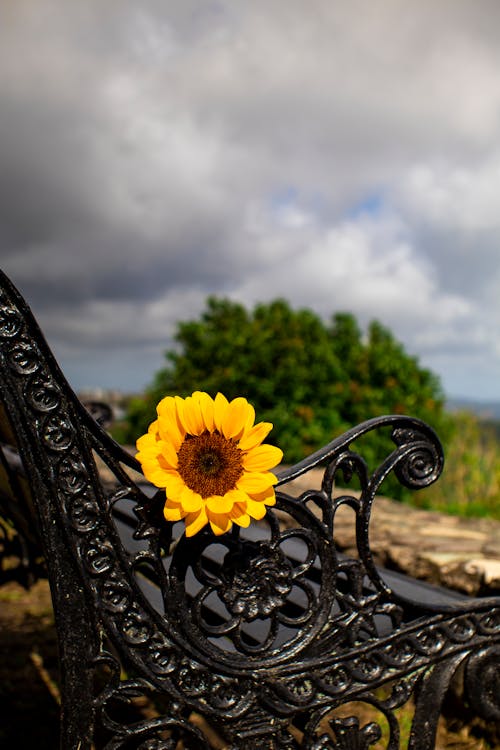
(420,458)
(482,682)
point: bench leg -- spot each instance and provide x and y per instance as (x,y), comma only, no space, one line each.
(76,653)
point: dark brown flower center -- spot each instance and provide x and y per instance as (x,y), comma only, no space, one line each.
(209,463)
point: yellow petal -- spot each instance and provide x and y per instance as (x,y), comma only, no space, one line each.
(169,426)
(168,456)
(192,416)
(174,484)
(166,406)
(239,514)
(173,513)
(238,497)
(195,522)
(155,474)
(169,432)
(221,405)
(255,436)
(219,522)
(147,442)
(235,418)
(267,497)
(220,503)
(256,510)
(167,409)
(190,501)
(262,458)
(250,419)
(153,427)
(149,462)
(254,482)
(243,520)
(207,409)
(149,452)
(179,407)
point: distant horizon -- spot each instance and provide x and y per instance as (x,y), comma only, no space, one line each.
(458,399)
(78,383)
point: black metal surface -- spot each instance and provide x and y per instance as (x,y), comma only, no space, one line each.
(265,632)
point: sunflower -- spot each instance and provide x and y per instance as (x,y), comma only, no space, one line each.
(208,456)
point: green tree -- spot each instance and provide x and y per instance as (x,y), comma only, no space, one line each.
(311,379)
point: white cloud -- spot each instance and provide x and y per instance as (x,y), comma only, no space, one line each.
(455,197)
(341,155)
(366,265)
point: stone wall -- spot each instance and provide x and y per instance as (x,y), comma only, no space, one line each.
(461,554)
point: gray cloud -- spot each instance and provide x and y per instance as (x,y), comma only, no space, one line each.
(343,155)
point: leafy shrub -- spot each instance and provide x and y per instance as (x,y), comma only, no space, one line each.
(311,379)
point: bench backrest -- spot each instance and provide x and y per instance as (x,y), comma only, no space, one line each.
(267,633)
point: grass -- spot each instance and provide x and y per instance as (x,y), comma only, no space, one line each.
(470,483)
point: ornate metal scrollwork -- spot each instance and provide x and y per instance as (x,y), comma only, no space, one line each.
(482,682)
(265,631)
(349,735)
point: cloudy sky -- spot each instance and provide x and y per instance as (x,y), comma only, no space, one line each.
(345,155)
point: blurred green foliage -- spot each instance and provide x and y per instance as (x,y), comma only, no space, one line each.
(470,483)
(311,379)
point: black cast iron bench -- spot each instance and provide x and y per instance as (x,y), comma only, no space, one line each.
(268,633)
